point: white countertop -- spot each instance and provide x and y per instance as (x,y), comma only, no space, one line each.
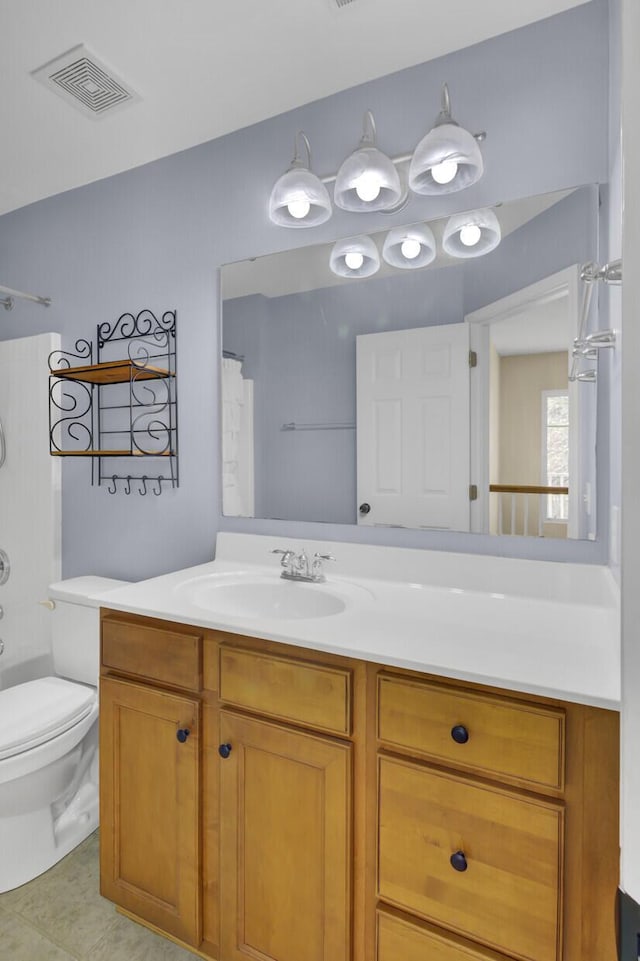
(532,626)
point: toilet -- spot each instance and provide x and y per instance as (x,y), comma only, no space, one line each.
(49,741)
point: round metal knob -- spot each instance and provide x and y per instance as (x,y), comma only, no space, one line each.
(460,734)
(364,508)
(224,750)
(458,861)
(182,734)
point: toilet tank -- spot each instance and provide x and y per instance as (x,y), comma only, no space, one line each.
(75,626)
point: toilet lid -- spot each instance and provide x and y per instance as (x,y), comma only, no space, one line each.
(38,711)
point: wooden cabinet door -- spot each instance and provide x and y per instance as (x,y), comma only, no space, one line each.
(285,852)
(149,792)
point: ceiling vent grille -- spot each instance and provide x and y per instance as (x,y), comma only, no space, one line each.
(86,83)
(342,3)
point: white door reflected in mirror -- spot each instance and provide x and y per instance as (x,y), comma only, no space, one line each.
(413,427)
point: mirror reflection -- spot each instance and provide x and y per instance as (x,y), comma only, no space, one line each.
(434,397)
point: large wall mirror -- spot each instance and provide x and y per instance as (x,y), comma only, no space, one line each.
(437,397)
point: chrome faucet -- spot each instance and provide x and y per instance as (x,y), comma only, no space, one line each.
(296,567)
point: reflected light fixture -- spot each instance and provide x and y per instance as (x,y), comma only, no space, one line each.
(448,158)
(367,180)
(471,234)
(409,247)
(355,257)
(299,198)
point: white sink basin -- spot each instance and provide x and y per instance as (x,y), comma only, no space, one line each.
(253,595)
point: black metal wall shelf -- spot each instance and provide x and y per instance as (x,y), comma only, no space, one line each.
(124,405)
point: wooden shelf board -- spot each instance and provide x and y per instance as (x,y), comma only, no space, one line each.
(112,372)
(109,453)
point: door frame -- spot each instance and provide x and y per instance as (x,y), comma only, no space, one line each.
(564,283)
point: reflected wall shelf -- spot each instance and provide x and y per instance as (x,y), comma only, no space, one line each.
(128,396)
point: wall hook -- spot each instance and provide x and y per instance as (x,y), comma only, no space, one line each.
(113,489)
(127,489)
(159,490)
(143,490)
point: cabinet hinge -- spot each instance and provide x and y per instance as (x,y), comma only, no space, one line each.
(473,358)
(473,492)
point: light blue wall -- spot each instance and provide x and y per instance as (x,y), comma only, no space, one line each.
(153,237)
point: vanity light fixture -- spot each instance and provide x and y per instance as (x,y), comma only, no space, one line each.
(409,247)
(367,179)
(299,198)
(472,234)
(355,257)
(448,158)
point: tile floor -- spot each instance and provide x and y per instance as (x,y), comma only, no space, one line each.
(61,917)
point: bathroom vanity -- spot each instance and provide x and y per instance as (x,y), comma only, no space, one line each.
(263,798)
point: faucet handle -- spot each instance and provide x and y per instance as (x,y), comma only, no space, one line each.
(287,556)
(316,568)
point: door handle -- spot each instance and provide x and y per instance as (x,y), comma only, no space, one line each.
(364,508)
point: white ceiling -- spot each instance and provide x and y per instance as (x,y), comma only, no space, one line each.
(204,68)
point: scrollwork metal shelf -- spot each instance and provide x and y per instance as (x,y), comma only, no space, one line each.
(119,406)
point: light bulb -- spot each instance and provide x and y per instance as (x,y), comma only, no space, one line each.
(470,234)
(299,208)
(368,186)
(444,172)
(410,248)
(354,260)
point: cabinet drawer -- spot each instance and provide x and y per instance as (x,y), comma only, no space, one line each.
(504,738)
(169,657)
(401,940)
(298,691)
(506,891)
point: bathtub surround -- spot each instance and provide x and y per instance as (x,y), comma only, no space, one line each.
(29,505)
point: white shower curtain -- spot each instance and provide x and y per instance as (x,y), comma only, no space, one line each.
(237,439)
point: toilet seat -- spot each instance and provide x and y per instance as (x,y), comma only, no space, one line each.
(38,711)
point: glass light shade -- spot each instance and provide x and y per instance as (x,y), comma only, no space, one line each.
(355,245)
(408,237)
(292,192)
(486,222)
(446,143)
(367,173)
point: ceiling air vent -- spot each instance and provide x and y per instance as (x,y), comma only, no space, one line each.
(343,3)
(85,82)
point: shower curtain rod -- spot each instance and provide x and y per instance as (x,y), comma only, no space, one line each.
(7,302)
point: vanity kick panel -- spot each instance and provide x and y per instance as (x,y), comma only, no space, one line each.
(502,738)
(304,693)
(506,891)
